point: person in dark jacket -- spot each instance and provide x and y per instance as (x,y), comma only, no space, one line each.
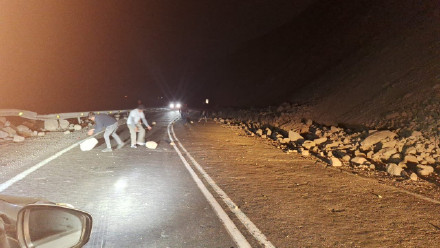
(110,125)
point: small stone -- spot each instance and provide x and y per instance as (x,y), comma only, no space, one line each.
(268,132)
(305,153)
(294,136)
(413,176)
(334,129)
(411,150)
(308,144)
(41,134)
(372,167)
(67,132)
(259,132)
(335,162)
(320,141)
(389,144)
(18,138)
(430,160)
(358,160)
(77,127)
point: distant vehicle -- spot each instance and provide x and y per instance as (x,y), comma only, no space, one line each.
(175,105)
(31,222)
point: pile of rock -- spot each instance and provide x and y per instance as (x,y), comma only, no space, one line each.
(399,152)
(26,129)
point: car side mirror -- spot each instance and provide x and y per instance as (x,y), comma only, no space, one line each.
(45,225)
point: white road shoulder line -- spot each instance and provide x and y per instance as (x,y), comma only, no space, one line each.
(251,227)
(236,235)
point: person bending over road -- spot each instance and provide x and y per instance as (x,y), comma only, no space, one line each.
(110,124)
(134,125)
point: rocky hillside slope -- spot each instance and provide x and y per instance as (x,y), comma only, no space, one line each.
(374,63)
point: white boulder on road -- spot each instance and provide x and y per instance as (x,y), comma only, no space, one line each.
(88,144)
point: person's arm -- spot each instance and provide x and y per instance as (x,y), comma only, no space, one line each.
(98,126)
(145,121)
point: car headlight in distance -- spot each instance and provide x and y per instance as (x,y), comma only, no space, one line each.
(178,105)
(172,105)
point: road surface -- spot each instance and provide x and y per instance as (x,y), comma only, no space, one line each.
(137,197)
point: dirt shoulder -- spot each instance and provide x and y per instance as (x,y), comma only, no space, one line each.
(301,202)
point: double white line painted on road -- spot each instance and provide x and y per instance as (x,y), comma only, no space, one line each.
(238,237)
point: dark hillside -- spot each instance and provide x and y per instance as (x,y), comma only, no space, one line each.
(350,60)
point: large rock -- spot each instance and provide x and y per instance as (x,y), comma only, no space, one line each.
(88,144)
(11,132)
(151,145)
(386,153)
(64,124)
(411,150)
(394,170)
(3,134)
(424,170)
(24,130)
(375,138)
(294,136)
(410,159)
(51,125)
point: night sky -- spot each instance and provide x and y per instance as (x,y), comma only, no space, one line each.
(60,56)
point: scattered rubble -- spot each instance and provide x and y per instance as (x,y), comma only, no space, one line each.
(15,129)
(401,152)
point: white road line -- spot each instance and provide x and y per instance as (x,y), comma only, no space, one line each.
(25,173)
(236,235)
(252,228)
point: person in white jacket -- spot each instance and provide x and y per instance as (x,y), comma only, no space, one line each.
(134,125)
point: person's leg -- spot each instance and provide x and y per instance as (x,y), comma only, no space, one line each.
(141,137)
(115,135)
(108,131)
(132,134)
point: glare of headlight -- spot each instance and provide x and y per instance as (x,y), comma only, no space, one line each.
(171,105)
(178,105)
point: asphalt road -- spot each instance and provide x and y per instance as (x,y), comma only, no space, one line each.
(137,197)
